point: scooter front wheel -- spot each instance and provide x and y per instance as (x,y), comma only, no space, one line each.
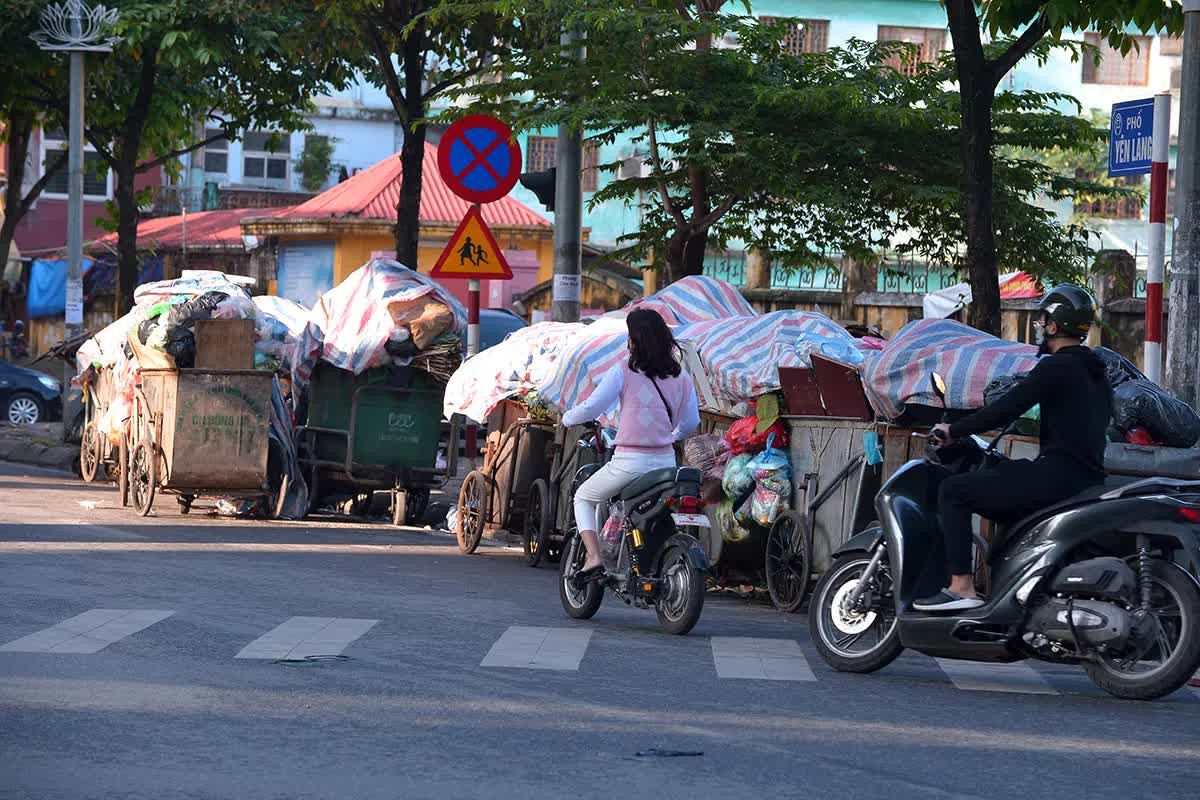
(854,639)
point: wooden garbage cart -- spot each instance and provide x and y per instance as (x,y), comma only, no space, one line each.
(201,432)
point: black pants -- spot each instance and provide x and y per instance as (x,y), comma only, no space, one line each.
(1004,493)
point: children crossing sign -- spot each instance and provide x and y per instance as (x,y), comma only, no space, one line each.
(472,253)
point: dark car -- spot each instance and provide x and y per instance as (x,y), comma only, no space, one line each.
(495,325)
(28,396)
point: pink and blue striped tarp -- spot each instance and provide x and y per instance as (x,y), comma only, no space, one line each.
(743,354)
(350,324)
(694,299)
(968,360)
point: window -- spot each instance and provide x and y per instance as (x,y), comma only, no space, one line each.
(541,153)
(1123,208)
(1115,69)
(265,157)
(95,172)
(930,43)
(804,35)
(1170,45)
(216,154)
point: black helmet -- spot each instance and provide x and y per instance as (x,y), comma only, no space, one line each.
(1072,307)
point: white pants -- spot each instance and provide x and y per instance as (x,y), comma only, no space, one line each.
(609,480)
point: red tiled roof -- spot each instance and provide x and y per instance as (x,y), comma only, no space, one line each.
(204,229)
(373,194)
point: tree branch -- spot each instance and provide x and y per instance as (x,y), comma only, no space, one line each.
(710,219)
(39,186)
(1019,49)
(391,81)
(682,8)
(656,159)
(456,78)
(183,151)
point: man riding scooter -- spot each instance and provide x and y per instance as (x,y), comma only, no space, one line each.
(1070,386)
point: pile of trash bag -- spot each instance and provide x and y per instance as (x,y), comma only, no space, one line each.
(169,325)
(1140,403)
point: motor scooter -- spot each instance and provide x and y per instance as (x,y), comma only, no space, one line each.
(1105,580)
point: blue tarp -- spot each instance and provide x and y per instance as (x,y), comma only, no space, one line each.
(48,287)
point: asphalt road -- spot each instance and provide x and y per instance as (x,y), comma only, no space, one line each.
(167,658)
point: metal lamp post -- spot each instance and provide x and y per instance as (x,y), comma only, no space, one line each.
(72,27)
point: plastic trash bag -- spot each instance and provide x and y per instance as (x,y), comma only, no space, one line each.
(1029,423)
(742,437)
(1141,403)
(1117,367)
(731,530)
(773,486)
(610,534)
(738,478)
(295,501)
(708,453)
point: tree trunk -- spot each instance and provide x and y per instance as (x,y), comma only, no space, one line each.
(20,129)
(408,208)
(127,225)
(412,153)
(984,311)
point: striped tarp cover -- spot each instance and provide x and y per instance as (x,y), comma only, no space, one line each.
(350,324)
(968,359)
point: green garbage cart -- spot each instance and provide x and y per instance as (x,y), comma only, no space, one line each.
(380,430)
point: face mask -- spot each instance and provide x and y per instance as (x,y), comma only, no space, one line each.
(1039,338)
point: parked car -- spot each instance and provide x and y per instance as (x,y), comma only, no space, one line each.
(28,396)
(494,326)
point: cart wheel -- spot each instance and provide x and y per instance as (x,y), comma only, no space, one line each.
(411,510)
(143,477)
(537,523)
(123,470)
(472,511)
(89,452)
(185,503)
(788,562)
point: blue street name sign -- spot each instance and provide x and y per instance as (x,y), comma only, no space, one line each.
(1131,137)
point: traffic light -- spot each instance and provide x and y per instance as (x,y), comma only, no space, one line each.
(542,185)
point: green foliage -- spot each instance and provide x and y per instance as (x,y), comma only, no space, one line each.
(807,156)
(315,162)
(1113,19)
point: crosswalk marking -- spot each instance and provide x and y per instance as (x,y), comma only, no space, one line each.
(89,632)
(760,659)
(978,676)
(539,648)
(302,637)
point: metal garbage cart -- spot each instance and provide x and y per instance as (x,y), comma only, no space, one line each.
(95,449)
(201,432)
(380,430)
(497,495)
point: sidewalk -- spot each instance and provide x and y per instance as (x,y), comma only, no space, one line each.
(38,444)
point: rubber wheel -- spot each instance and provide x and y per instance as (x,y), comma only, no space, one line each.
(185,503)
(89,453)
(787,562)
(1175,603)
(472,511)
(578,603)
(123,471)
(143,476)
(834,643)
(24,409)
(416,502)
(537,523)
(679,609)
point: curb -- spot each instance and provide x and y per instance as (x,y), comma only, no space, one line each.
(58,457)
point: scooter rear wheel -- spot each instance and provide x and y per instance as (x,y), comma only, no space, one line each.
(683,599)
(837,631)
(579,603)
(1175,656)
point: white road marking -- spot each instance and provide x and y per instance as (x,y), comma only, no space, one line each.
(979,676)
(539,648)
(301,637)
(760,659)
(89,632)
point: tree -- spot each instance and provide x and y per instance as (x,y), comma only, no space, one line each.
(315,162)
(980,69)
(21,62)
(417,50)
(235,65)
(806,156)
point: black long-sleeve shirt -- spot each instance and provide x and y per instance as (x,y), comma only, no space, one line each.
(1076,404)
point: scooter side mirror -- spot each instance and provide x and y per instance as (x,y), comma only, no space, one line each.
(939,386)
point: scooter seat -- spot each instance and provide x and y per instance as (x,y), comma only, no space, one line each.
(1088,495)
(648,482)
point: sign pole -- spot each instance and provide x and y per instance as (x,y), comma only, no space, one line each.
(473,350)
(1152,358)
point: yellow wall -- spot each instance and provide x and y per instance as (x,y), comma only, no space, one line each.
(352,251)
